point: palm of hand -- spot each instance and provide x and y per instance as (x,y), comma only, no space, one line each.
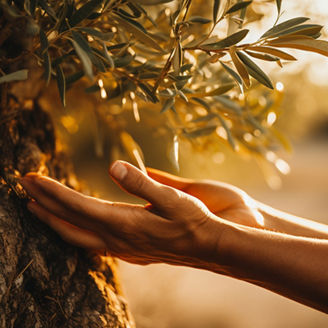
(223,200)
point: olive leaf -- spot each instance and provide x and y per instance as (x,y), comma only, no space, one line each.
(272,51)
(216,7)
(15,76)
(284,26)
(139,33)
(84,12)
(238,6)
(254,70)
(240,67)
(85,59)
(233,74)
(278,3)
(307,44)
(227,42)
(201,132)
(262,56)
(61,84)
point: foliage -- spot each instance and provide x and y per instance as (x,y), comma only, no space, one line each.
(167,53)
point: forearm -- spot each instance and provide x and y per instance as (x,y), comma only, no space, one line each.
(294,267)
(286,223)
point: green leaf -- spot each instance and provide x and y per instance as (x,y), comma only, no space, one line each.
(262,56)
(278,3)
(284,26)
(240,67)
(43,41)
(226,128)
(199,19)
(49,10)
(216,7)
(238,6)
(107,36)
(16,76)
(307,44)
(255,71)
(139,34)
(47,66)
(84,12)
(177,59)
(227,42)
(206,131)
(232,73)
(306,29)
(206,118)
(82,42)
(85,59)
(61,84)
(148,92)
(70,79)
(167,104)
(202,102)
(275,52)
(229,104)
(108,56)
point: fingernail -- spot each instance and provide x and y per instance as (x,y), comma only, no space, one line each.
(118,170)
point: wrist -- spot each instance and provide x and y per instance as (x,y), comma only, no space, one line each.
(216,241)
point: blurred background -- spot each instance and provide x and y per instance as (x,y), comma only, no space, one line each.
(174,297)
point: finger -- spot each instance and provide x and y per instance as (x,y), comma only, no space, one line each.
(64,202)
(67,231)
(169,179)
(137,183)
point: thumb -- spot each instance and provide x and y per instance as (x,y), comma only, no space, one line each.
(139,184)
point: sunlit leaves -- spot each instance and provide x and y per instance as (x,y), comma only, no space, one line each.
(254,70)
(240,67)
(284,26)
(84,12)
(227,42)
(139,33)
(307,44)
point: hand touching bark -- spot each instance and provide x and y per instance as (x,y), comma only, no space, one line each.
(170,229)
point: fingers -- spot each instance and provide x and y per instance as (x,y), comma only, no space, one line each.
(169,179)
(63,201)
(137,183)
(67,231)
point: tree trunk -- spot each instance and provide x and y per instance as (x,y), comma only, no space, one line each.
(45,282)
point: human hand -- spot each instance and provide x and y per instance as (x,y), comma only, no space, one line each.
(223,200)
(175,228)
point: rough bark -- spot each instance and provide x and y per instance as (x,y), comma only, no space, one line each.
(44,282)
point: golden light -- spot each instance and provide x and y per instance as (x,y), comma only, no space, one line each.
(280,86)
(136,111)
(221,132)
(271,118)
(282,166)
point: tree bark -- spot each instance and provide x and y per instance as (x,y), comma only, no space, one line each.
(44,282)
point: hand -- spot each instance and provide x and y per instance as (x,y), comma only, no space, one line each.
(174,228)
(223,200)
